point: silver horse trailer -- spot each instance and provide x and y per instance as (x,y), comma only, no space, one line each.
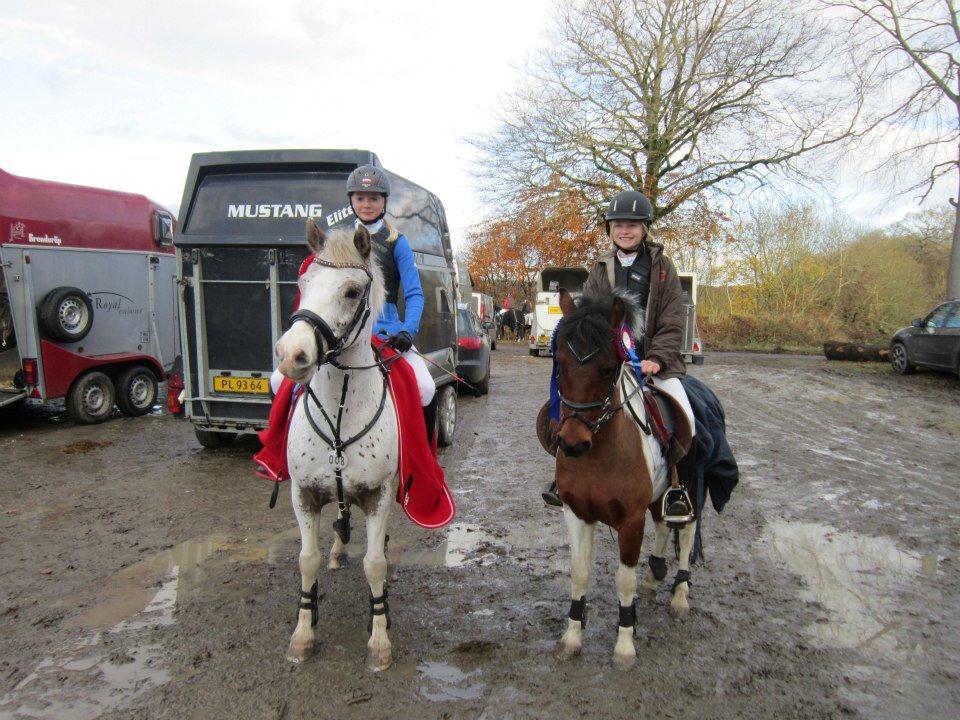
(240,244)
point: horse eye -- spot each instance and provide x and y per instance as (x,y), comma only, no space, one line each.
(352,294)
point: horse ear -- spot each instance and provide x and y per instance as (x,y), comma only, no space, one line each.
(618,311)
(567,305)
(315,236)
(361,241)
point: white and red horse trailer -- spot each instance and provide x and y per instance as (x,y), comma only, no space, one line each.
(87,298)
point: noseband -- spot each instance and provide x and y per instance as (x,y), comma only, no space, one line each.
(321,330)
(605,406)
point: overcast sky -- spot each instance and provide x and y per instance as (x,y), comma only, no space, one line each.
(119,94)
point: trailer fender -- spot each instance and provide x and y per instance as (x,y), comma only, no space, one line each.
(61,367)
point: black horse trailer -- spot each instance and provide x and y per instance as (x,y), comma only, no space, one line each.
(240,244)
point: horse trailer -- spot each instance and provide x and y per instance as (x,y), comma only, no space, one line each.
(87,308)
(240,243)
(546,312)
(691,347)
(483,307)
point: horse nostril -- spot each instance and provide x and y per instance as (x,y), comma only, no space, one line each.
(574,450)
(301,358)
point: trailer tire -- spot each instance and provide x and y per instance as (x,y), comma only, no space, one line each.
(446,414)
(66,314)
(136,390)
(213,438)
(91,398)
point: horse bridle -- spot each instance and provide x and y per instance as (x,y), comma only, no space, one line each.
(321,330)
(605,405)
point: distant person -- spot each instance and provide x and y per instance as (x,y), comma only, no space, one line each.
(637,264)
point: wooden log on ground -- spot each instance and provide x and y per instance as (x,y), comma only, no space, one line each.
(860,352)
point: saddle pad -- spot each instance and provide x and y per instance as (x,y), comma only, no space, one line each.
(657,463)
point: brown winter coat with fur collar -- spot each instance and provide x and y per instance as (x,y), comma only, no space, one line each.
(663,332)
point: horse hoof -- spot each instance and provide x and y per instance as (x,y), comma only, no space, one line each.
(679,605)
(649,583)
(334,563)
(566,651)
(299,651)
(379,660)
(625,661)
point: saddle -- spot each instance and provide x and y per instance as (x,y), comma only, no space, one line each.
(665,419)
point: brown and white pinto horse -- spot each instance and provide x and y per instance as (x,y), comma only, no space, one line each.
(605,467)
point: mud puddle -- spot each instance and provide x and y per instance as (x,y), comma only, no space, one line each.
(440,682)
(100,672)
(858,580)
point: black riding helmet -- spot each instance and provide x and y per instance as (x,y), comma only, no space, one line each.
(629,205)
(368,178)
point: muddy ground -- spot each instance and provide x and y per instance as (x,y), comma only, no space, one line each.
(144,577)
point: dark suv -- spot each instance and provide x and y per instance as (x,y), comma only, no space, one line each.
(933,342)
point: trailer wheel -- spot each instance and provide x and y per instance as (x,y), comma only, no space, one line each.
(213,438)
(136,390)
(446,415)
(66,314)
(91,398)
(534,353)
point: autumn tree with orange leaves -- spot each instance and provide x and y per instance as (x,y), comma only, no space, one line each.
(551,226)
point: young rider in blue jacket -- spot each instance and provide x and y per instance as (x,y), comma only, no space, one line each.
(368,189)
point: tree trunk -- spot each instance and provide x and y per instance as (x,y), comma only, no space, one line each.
(834,350)
(953,270)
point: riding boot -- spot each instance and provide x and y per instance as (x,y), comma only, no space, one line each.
(430,418)
(550,495)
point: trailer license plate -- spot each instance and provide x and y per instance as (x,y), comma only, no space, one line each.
(256,386)
(554,310)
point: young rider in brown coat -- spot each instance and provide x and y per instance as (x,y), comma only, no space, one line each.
(638,265)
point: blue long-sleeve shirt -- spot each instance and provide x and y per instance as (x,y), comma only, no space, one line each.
(389,322)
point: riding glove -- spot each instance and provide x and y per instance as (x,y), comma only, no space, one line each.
(402,341)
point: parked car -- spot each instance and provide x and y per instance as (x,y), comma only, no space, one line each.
(932,342)
(473,350)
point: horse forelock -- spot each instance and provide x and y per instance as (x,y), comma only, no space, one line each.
(588,328)
(339,249)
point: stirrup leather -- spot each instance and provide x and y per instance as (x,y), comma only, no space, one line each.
(677,494)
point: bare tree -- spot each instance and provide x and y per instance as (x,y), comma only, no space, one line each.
(914,49)
(673,98)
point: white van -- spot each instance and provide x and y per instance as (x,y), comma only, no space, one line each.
(547,313)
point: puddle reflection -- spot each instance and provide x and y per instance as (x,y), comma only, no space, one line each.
(98,673)
(852,576)
(441,682)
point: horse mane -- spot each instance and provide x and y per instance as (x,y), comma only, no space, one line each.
(338,248)
(589,327)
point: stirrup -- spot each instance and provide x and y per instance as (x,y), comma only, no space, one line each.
(681,517)
(551,496)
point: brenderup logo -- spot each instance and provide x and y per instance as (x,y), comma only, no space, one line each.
(44,239)
(278,210)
